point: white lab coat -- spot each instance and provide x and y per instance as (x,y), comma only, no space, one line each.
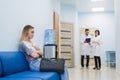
(96,47)
(85,47)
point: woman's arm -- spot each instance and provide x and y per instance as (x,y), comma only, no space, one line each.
(98,42)
(40,52)
(36,54)
(30,50)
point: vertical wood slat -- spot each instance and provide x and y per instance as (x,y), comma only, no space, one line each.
(56,28)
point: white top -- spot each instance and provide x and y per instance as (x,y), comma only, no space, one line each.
(96,46)
(85,47)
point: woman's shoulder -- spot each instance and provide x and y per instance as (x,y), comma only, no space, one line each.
(23,43)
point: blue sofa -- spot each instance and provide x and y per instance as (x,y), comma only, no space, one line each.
(13,66)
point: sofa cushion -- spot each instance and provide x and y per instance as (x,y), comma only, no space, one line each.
(20,79)
(33,74)
(0,68)
(13,62)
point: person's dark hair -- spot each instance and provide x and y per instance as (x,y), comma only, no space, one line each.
(98,32)
(86,30)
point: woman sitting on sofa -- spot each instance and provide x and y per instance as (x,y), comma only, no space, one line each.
(32,52)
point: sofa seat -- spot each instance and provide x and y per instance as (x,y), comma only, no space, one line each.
(33,74)
(20,79)
(13,66)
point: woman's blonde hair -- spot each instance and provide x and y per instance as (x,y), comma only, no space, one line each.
(25,31)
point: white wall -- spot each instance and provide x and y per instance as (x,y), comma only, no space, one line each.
(106,23)
(69,14)
(117,14)
(76,41)
(15,14)
(56,6)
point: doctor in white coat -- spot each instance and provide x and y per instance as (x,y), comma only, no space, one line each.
(85,48)
(96,48)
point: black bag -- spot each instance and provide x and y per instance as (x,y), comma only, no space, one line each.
(54,65)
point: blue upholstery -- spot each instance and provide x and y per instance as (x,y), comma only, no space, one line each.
(13,62)
(42,75)
(0,69)
(20,79)
(13,66)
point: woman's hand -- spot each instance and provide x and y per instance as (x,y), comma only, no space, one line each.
(36,54)
(40,52)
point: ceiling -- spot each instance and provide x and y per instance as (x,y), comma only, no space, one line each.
(87,5)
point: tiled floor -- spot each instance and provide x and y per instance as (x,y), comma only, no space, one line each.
(105,73)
